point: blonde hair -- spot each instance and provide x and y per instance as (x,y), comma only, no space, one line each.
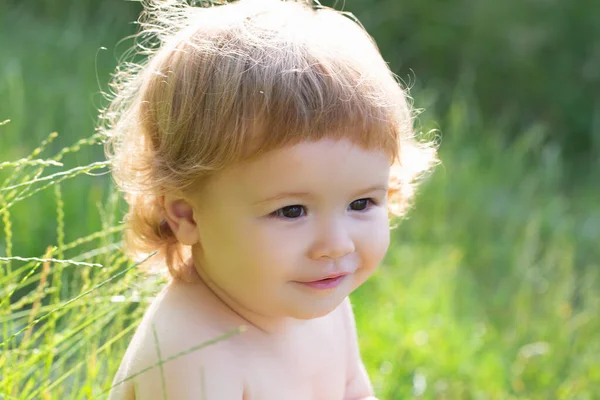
(227,83)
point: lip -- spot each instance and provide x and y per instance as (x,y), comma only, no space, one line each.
(329,282)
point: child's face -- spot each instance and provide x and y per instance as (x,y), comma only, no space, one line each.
(294,215)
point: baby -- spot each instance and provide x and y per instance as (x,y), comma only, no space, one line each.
(262,147)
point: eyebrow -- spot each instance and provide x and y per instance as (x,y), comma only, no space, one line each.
(284,195)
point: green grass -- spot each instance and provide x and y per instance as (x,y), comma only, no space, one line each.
(490,289)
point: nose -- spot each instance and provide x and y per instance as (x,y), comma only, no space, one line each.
(332,241)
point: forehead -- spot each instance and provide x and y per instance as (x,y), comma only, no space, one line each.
(322,166)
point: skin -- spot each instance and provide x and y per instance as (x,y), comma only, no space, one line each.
(259,231)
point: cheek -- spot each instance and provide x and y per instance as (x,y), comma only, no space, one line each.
(385,242)
(275,244)
(224,242)
(376,242)
(258,246)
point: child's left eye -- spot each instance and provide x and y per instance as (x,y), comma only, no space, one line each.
(361,204)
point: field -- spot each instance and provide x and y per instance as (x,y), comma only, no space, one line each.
(490,289)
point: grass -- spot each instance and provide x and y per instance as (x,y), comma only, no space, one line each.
(490,289)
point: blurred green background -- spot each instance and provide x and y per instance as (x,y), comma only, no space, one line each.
(491,286)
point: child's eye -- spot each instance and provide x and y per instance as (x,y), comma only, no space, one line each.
(296,211)
(290,212)
(361,204)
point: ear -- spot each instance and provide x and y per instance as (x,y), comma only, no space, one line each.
(179,214)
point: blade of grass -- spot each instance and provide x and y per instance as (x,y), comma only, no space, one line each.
(112,278)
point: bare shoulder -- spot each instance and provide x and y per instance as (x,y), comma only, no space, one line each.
(176,351)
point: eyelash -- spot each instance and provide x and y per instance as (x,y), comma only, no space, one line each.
(277,213)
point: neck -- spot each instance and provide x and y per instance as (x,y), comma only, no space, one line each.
(264,324)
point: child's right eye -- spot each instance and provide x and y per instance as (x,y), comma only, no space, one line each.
(290,212)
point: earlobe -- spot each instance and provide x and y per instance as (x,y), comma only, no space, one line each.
(179,214)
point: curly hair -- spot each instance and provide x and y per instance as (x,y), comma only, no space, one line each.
(227,83)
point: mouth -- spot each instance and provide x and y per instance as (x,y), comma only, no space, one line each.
(330,282)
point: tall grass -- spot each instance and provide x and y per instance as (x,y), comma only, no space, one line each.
(491,288)
(52,330)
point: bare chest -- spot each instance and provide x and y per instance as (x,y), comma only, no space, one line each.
(308,366)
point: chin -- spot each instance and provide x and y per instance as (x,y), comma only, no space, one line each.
(319,309)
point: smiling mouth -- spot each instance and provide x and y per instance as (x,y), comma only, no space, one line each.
(327,283)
